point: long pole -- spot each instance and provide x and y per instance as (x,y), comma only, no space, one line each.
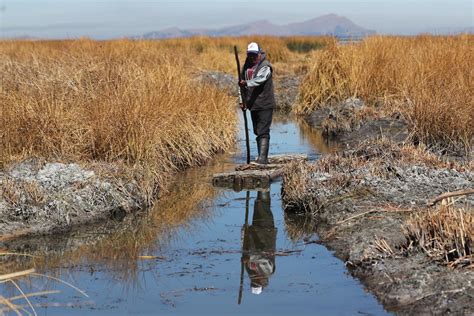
(242,237)
(244,109)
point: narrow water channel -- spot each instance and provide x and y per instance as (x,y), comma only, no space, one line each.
(196,253)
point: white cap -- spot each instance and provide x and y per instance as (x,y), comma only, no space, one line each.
(253,48)
(256,290)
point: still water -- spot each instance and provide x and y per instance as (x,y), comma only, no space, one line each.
(202,251)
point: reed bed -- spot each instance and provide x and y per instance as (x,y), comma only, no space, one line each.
(287,54)
(133,103)
(428,79)
(445,234)
(124,102)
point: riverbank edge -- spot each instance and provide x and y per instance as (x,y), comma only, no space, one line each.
(48,190)
(406,283)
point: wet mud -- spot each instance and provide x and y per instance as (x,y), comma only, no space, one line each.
(361,199)
(351,122)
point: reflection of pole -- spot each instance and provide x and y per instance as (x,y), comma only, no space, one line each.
(242,238)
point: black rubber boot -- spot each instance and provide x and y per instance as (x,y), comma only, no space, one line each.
(263,156)
(259,142)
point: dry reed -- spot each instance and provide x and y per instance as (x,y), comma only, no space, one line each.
(121,101)
(126,101)
(444,234)
(426,78)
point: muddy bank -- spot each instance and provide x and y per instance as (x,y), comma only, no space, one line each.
(186,251)
(362,199)
(286,92)
(41,197)
(351,122)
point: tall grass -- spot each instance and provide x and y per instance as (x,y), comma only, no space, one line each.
(121,101)
(426,78)
(286,53)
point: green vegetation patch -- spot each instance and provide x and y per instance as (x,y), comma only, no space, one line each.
(304,46)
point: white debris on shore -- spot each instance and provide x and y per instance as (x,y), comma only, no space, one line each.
(39,197)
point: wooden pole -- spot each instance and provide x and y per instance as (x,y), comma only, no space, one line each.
(244,110)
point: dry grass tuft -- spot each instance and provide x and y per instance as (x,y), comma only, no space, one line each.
(17,193)
(296,181)
(121,101)
(428,79)
(444,234)
(382,246)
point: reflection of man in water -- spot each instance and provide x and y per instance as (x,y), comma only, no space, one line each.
(260,244)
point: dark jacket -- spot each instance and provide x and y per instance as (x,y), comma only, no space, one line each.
(261,97)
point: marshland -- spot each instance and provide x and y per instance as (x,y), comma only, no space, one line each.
(108,150)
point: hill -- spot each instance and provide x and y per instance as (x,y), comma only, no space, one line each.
(330,24)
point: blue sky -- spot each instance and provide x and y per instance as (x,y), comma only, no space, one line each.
(119,18)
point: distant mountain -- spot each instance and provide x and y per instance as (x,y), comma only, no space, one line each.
(330,24)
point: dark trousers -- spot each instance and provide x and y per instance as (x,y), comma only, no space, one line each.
(261,121)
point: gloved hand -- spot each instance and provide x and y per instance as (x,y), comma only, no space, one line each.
(243,83)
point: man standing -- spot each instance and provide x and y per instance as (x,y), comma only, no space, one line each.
(259,97)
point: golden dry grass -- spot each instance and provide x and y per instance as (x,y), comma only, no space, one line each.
(426,78)
(129,102)
(289,55)
(122,101)
(444,234)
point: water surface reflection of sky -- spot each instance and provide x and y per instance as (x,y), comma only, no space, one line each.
(208,254)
